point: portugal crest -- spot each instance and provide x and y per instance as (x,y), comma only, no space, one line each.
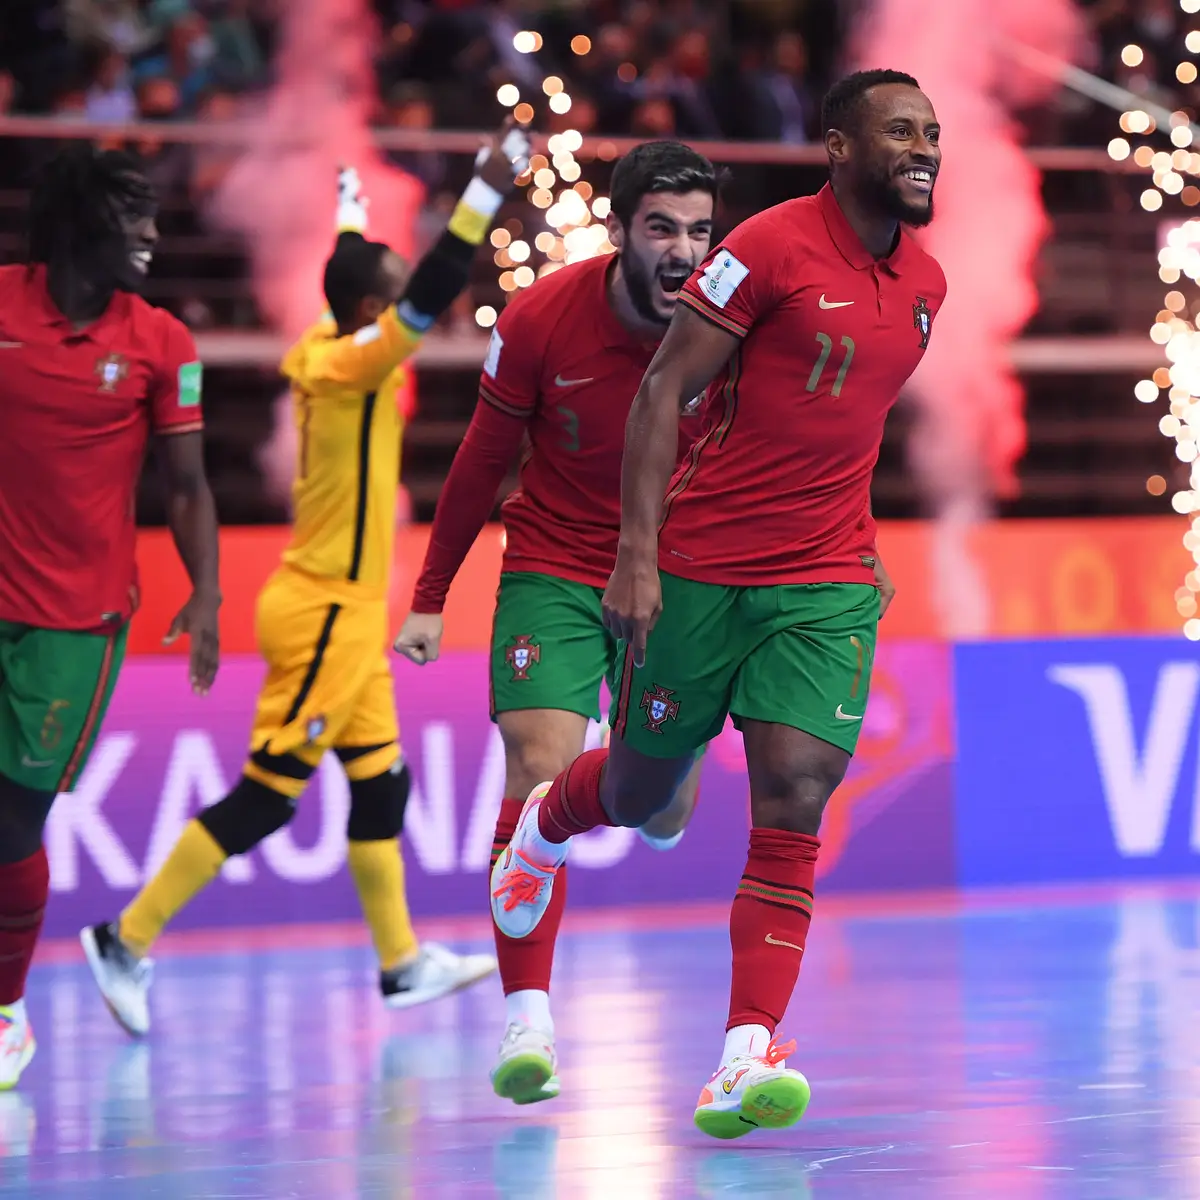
(110,370)
(922,320)
(522,654)
(659,707)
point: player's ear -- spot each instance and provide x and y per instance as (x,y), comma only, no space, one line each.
(616,231)
(837,145)
(370,309)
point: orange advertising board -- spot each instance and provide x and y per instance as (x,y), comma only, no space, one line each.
(1042,578)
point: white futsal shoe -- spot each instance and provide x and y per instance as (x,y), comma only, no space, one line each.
(522,886)
(17,1046)
(749,1092)
(123,979)
(436,972)
(525,1070)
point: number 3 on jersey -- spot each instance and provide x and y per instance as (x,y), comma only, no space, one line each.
(570,420)
(826,349)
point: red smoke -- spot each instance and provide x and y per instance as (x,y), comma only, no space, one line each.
(282,193)
(986,234)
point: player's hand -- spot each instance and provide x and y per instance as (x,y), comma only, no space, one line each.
(883,581)
(505,157)
(632,602)
(198,619)
(420,638)
(352,204)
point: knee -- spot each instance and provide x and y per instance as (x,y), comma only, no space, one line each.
(377,805)
(23,813)
(790,792)
(530,761)
(635,790)
(250,813)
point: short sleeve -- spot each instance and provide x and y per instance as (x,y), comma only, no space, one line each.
(175,394)
(739,282)
(512,368)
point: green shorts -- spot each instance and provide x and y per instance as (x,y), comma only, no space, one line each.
(789,654)
(549,645)
(55,687)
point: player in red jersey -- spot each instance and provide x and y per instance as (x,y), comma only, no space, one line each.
(757,575)
(88,371)
(563,365)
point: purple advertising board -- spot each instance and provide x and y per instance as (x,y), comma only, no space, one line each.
(164,753)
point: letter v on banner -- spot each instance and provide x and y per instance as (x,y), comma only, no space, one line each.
(1138,788)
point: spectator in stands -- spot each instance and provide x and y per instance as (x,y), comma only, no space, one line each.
(110,94)
(784,108)
(186,58)
(118,24)
(167,164)
(237,56)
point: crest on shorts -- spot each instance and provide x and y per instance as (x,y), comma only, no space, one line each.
(522,654)
(659,707)
(110,370)
(922,320)
(314,729)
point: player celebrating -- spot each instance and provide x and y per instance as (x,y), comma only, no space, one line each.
(756,574)
(563,365)
(322,617)
(89,371)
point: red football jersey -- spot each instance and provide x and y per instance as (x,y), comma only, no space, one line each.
(561,369)
(778,487)
(76,410)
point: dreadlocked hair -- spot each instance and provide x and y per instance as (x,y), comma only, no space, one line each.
(78,198)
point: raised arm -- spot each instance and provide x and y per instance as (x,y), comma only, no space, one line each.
(370,355)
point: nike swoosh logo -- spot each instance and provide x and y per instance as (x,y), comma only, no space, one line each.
(834,303)
(26,761)
(841,716)
(561,382)
(774,941)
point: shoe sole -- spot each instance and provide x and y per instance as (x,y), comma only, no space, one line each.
(523,1079)
(497,872)
(402,1000)
(774,1104)
(27,1053)
(96,963)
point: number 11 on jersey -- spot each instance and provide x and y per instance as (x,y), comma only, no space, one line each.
(826,343)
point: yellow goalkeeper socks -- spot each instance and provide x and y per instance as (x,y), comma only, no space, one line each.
(378,872)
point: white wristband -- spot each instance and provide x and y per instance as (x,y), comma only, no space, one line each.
(482,197)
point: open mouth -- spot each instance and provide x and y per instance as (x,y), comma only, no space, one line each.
(140,259)
(921,178)
(672,281)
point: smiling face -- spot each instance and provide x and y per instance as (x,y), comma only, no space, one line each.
(139,236)
(665,241)
(891,157)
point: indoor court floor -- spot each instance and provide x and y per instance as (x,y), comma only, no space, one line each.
(1032,1045)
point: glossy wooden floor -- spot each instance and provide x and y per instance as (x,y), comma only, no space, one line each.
(1017,1046)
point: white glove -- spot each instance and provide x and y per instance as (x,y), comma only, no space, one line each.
(352,205)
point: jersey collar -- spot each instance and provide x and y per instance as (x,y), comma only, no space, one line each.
(44,311)
(850,246)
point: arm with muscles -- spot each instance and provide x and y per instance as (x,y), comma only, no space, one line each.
(192,517)
(176,417)
(489,447)
(508,393)
(691,355)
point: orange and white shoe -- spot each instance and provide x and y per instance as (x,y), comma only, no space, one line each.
(16,1044)
(522,886)
(749,1093)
